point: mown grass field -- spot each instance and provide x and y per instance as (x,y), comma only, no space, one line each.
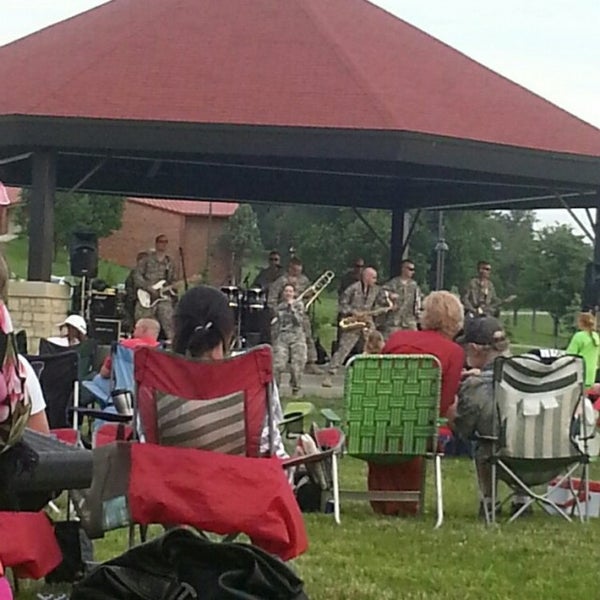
(370,557)
(15,253)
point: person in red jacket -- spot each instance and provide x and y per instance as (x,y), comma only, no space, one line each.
(441,320)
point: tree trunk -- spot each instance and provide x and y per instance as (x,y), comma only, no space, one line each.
(556,321)
(533,321)
(515,316)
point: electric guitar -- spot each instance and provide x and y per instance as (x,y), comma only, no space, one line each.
(163,293)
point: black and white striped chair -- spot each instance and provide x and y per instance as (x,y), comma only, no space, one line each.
(540,435)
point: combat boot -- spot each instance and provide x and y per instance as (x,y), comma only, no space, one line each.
(312,369)
(327,383)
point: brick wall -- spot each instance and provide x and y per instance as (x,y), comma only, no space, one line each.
(197,242)
(141,225)
(38,307)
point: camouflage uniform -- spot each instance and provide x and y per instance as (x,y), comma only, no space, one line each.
(407,306)
(480,298)
(474,409)
(151,270)
(267,276)
(275,297)
(290,344)
(354,300)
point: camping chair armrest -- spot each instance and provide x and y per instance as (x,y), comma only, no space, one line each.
(330,416)
(306,459)
(95,413)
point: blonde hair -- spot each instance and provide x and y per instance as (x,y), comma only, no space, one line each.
(586,321)
(443,312)
(374,343)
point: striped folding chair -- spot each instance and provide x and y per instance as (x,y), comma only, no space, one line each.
(541,435)
(392,407)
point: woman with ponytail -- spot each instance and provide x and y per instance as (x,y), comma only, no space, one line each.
(586,343)
(204,328)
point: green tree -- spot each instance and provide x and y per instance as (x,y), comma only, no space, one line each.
(554,270)
(241,237)
(100,214)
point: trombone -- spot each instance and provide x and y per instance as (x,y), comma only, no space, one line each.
(315,289)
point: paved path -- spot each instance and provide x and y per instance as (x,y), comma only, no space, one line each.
(311,386)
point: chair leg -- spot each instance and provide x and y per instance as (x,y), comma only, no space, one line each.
(494,494)
(438,490)
(336,488)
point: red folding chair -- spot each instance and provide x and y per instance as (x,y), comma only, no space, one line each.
(226,405)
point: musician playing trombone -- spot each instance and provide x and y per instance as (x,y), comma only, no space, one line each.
(156,267)
(357,300)
(290,342)
(301,282)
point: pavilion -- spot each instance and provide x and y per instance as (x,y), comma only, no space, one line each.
(330,102)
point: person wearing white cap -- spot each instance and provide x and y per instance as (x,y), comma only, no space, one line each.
(73,331)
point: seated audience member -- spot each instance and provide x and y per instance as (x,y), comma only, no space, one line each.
(31,387)
(374,343)
(73,331)
(33,391)
(204,328)
(145,333)
(472,414)
(442,319)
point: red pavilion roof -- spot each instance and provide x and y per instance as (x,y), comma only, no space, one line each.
(314,63)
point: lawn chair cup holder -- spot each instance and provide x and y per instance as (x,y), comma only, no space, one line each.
(123,402)
(293,424)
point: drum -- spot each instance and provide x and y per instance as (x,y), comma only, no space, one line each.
(234,295)
(255,299)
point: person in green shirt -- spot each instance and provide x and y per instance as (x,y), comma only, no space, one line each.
(586,343)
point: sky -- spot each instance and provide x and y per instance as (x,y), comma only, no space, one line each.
(551,47)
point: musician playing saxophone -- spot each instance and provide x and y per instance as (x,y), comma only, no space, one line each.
(300,281)
(290,342)
(157,266)
(357,299)
(406,297)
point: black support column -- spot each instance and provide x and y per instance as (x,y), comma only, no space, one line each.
(41,216)
(597,231)
(400,227)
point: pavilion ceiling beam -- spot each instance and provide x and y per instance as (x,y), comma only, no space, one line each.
(577,220)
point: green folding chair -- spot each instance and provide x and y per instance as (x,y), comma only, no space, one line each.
(392,407)
(297,418)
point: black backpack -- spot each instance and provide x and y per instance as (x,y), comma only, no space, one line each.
(182,565)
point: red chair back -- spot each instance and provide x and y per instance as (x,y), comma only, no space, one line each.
(194,379)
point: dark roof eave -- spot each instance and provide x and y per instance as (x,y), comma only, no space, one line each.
(139,138)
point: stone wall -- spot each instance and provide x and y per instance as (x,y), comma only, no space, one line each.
(37,307)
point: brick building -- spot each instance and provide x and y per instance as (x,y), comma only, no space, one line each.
(195,226)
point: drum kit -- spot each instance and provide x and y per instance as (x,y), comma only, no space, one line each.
(250,310)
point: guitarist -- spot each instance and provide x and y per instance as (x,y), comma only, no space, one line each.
(157,266)
(480,299)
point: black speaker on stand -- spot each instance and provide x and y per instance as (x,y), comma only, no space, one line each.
(83,254)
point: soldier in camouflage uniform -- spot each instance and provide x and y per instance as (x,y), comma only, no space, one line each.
(300,281)
(130,299)
(290,342)
(406,297)
(269,274)
(359,298)
(480,297)
(155,267)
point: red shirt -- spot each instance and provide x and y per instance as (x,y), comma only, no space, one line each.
(450,355)
(131,343)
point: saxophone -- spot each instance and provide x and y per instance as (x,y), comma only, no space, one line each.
(364,320)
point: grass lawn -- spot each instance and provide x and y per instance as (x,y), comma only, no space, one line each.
(16,250)
(376,558)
